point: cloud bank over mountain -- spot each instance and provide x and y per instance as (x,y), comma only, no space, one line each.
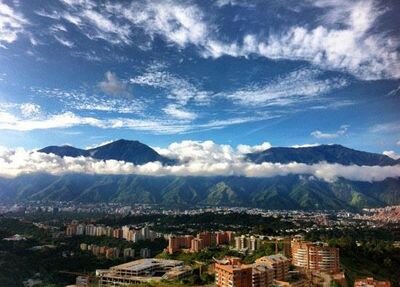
(194,158)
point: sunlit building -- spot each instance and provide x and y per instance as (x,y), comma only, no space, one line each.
(371,282)
(315,256)
(278,263)
(231,272)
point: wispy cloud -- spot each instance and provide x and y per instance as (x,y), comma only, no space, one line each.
(181,24)
(353,48)
(86,100)
(64,42)
(300,85)
(179,113)
(179,89)
(388,127)
(12,23)
(323,135)
(342,39)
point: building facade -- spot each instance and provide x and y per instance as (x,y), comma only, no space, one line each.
(315,256)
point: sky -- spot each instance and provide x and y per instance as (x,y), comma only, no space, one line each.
(284,73)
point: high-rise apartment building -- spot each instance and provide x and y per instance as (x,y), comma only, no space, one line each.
(262,275)
(371,282)
(278,263)
(315,256)
(230,272)
(196,245)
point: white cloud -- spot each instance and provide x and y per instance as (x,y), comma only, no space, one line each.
(178,23)
(353,48)
(321,135)
(179,113)
(30,109)
(199,151)
(9,121)
(195,159)
(244,149)
(112,85)
(300,85)
(95,25)
(305,145)
(388,127)
(12,23)
(398,143)
(64,42)
(64,120)
(392,154)
(178,88)
(344,38)
(81,100)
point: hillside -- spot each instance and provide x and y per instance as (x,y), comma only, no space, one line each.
(284,192)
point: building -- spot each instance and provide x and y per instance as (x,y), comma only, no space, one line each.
(262,275)
(117,233)
(253,243)
(71,230)
(142,270)
(196,245)
(247,243)
(125,232)
(230,272)
(278,263)
(315,256)
(207,238)
(80,229)
(82,281)
(90,230)
(129,252)
(223,237)
(145,233)
(145,252)
(176,243)
(371,282)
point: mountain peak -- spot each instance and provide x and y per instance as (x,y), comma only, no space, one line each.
(124,150)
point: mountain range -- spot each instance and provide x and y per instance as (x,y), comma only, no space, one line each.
(279,192)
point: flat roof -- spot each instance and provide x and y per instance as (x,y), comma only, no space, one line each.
(140,264)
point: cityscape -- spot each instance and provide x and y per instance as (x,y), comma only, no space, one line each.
(132,246)
(200,143)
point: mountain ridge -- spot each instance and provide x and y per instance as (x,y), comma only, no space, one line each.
(125,150)
(139,153)
(278,192)
(322,153)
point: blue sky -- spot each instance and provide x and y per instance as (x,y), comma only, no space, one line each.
(83,72)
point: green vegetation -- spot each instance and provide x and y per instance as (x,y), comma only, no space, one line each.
(239,222)
(365,253)
(280,192)
(66,256)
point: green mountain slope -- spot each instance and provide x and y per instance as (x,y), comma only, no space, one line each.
(282,192)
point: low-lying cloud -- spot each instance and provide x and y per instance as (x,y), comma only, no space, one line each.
(194,159)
